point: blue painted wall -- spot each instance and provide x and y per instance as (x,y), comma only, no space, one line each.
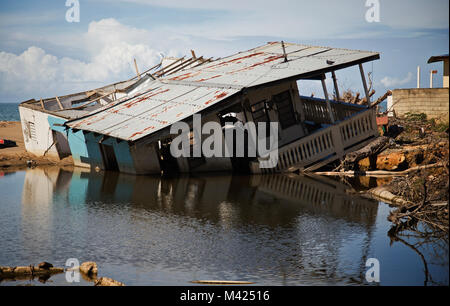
(85,147)
(123,155)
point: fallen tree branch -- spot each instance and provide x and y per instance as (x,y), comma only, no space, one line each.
(373,148)
(381,99)
(380,172)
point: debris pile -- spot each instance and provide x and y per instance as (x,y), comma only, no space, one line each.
(414,154)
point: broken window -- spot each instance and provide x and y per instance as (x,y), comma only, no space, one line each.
(31,130)
(286,115)
(259,112)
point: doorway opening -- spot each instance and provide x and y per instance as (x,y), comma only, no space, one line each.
(109,157)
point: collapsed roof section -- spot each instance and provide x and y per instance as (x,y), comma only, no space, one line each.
(80,104)
(156,104)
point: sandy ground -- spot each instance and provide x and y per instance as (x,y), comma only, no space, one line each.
(17,157)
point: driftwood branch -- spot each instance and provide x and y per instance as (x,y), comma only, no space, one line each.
(380,172)
(381,99)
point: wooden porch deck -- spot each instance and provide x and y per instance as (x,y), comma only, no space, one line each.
(355,127)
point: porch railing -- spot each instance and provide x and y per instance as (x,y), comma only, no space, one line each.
(324,145)
(316,110)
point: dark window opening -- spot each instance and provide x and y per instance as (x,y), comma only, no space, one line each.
(285,109)
(109,157)
(260,112)
(167,162)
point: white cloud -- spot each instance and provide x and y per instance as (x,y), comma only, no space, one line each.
(391,82)
(111,47)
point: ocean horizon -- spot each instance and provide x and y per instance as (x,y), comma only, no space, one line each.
(9,112)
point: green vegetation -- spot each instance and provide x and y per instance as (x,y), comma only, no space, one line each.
(438,126)
(415,116)
(434,125)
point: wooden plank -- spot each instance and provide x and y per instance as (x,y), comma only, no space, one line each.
(363,77)
(336,89)
(137,70)
(91,101)
(327,99)
(164,70)
(59,103)
(42,104)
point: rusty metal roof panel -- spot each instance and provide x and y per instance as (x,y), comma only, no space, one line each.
(152,111)
(162,102)
(266,64)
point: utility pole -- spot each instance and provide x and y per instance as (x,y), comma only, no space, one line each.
(418,76)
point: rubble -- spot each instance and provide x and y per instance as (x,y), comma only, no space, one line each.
(418,161)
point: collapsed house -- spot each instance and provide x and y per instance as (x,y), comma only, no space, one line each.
(42,120)
(132,134)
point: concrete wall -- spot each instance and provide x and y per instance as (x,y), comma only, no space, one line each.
(38,133)
(433,102)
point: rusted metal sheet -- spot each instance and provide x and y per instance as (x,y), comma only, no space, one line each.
(266,64)
(152,111)
(160,103)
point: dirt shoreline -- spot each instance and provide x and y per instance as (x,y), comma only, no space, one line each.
(15,158)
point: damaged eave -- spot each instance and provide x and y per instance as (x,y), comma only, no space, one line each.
(318,74)
(174,98)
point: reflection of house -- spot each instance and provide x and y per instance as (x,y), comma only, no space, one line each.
(40,187)
(258,85)
(434,102)
(278,223)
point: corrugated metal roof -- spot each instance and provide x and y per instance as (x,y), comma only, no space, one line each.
(180,95)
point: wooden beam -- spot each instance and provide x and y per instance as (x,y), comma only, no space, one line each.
(91,101)
(330,111)
(363,77)
(42,104)
(164,71)
(137,70)
(336,89)
(193,54)
(180,66)
(284,51)
(59,103)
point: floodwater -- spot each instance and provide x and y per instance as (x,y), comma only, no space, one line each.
(270,230)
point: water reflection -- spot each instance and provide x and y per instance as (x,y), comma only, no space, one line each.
(277,229)
(273,200)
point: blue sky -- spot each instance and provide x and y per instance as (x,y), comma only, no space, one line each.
(43,55)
